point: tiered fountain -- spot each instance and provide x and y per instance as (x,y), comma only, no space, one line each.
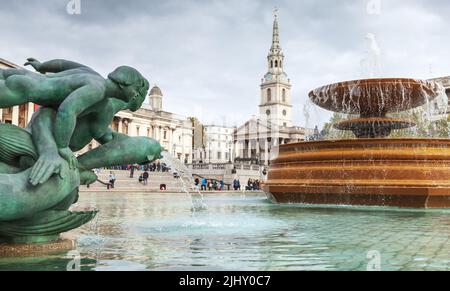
(371,170)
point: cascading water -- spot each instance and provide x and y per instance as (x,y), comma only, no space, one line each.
(374,99)
(186,177)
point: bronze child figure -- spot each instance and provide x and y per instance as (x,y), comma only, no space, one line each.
(71,89)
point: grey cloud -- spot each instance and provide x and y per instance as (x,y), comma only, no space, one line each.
(208,56)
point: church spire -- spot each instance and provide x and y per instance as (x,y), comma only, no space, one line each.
(275,105)
(276,33)
(276,56)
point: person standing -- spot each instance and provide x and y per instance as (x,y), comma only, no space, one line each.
(204,183)
(236,184)
(145,177)
(210,185)
(112,179)
(158,167)
(131,171)
(196,182)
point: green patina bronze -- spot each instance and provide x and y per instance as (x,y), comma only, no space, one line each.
(39,174)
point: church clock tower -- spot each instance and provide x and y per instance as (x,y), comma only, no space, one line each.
(276,87)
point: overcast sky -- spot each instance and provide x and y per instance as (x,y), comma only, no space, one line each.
(208,56)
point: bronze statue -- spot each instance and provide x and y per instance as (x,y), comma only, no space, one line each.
(78,105)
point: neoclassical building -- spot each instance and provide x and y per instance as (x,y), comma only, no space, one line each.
(256,140)
(216,145)
(17,115)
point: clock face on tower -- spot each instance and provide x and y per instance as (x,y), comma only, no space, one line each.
(269,77)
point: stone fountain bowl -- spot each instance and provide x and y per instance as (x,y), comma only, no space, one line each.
(374,127)
(375,97)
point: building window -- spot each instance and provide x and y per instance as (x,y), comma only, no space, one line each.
(284,112)
(271,64)
(284,95)
(268,112)
(137,130)
(276,64)
(165,134)
(269,95)
(219,155)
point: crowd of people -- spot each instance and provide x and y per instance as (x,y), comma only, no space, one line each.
(209,185)
(153,167)
(143,177)
(253,185)
(201,183)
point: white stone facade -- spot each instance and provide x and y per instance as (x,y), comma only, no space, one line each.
(218,145)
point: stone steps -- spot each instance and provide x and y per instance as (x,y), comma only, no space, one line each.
(125,183)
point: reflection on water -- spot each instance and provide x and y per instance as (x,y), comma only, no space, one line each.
(159,232)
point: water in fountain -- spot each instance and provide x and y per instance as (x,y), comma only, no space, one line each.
(377,100)
(186,177)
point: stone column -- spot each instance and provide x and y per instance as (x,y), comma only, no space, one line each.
(171,143)
(15,115)
(258,146)
(266,152)
(30,112)
(183,146)
(120,126)
(1,115)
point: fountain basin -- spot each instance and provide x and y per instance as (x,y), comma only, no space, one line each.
(375,97)
(371,172)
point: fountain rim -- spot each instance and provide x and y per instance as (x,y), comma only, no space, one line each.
(321,96)
(371,141)
(371,81)
(375,81)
